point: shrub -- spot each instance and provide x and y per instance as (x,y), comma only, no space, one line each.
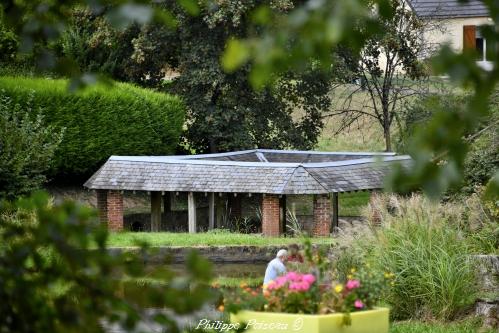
(424,245)
(27,146)
(57,275)
(100,121)
(8,42)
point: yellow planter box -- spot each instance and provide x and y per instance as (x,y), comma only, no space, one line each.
(370,321)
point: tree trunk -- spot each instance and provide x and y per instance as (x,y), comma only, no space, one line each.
(388,139)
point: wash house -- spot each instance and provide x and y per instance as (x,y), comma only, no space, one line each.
(220,187)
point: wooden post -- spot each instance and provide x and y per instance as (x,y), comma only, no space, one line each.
(211,211)
(155,211)
(167,203)
(283,211)
(335,210)
(191,211)
(220,210)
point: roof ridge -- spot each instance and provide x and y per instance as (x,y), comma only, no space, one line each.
(305,169)
(311,175)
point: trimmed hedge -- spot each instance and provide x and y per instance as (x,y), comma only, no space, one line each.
(119,119)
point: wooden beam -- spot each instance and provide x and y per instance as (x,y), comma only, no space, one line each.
(211,211)
(191,212)
(335,210)
(167,203)
(282,212)
(155,211)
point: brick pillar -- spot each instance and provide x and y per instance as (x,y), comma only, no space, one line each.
(322,215)
(110,206)
(271,225)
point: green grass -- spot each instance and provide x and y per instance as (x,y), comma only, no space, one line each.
(124,239)
(352,204)
(470,326)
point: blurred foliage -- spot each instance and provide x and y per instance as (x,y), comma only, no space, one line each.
(100,121)
(27,145)
(482,160)
(310,31)
(57,276)
(287,40)
(225,112)
(40,24)
(439,149)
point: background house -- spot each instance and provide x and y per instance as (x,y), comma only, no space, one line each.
(459,24)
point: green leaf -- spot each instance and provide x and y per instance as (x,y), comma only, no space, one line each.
(492,189)
(190,6)
(235,55)
(261,15)
(259,76)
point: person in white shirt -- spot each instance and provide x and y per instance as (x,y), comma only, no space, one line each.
(275,267)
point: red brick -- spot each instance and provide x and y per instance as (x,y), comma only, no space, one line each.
(322,216)
(110,206)
(271,225)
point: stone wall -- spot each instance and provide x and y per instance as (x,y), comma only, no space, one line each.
(487,307)
(216,254)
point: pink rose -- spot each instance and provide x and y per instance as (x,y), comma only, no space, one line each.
(358,304)
(304,286)
(292,276)
(352,284)
(271,285)
(299,286)
(309,278)
(281,281)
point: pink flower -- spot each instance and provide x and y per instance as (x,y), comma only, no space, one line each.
(280,281)
(309,278)
(292,276)
(305,286)
(299,286)
(352,284)
(358,304)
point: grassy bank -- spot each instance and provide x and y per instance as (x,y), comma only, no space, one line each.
(469,326)
(124,239)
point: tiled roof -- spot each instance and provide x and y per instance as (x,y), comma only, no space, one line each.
(449,8)
(255,171)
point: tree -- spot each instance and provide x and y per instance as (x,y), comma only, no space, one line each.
(390,68)
(27,147)
(225,112)
(287,41)
(137,53)
(438,150)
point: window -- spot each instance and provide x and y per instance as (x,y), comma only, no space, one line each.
(473,39)
(481,47)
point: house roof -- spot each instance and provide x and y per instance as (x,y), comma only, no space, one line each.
(448,8)
(250,171)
